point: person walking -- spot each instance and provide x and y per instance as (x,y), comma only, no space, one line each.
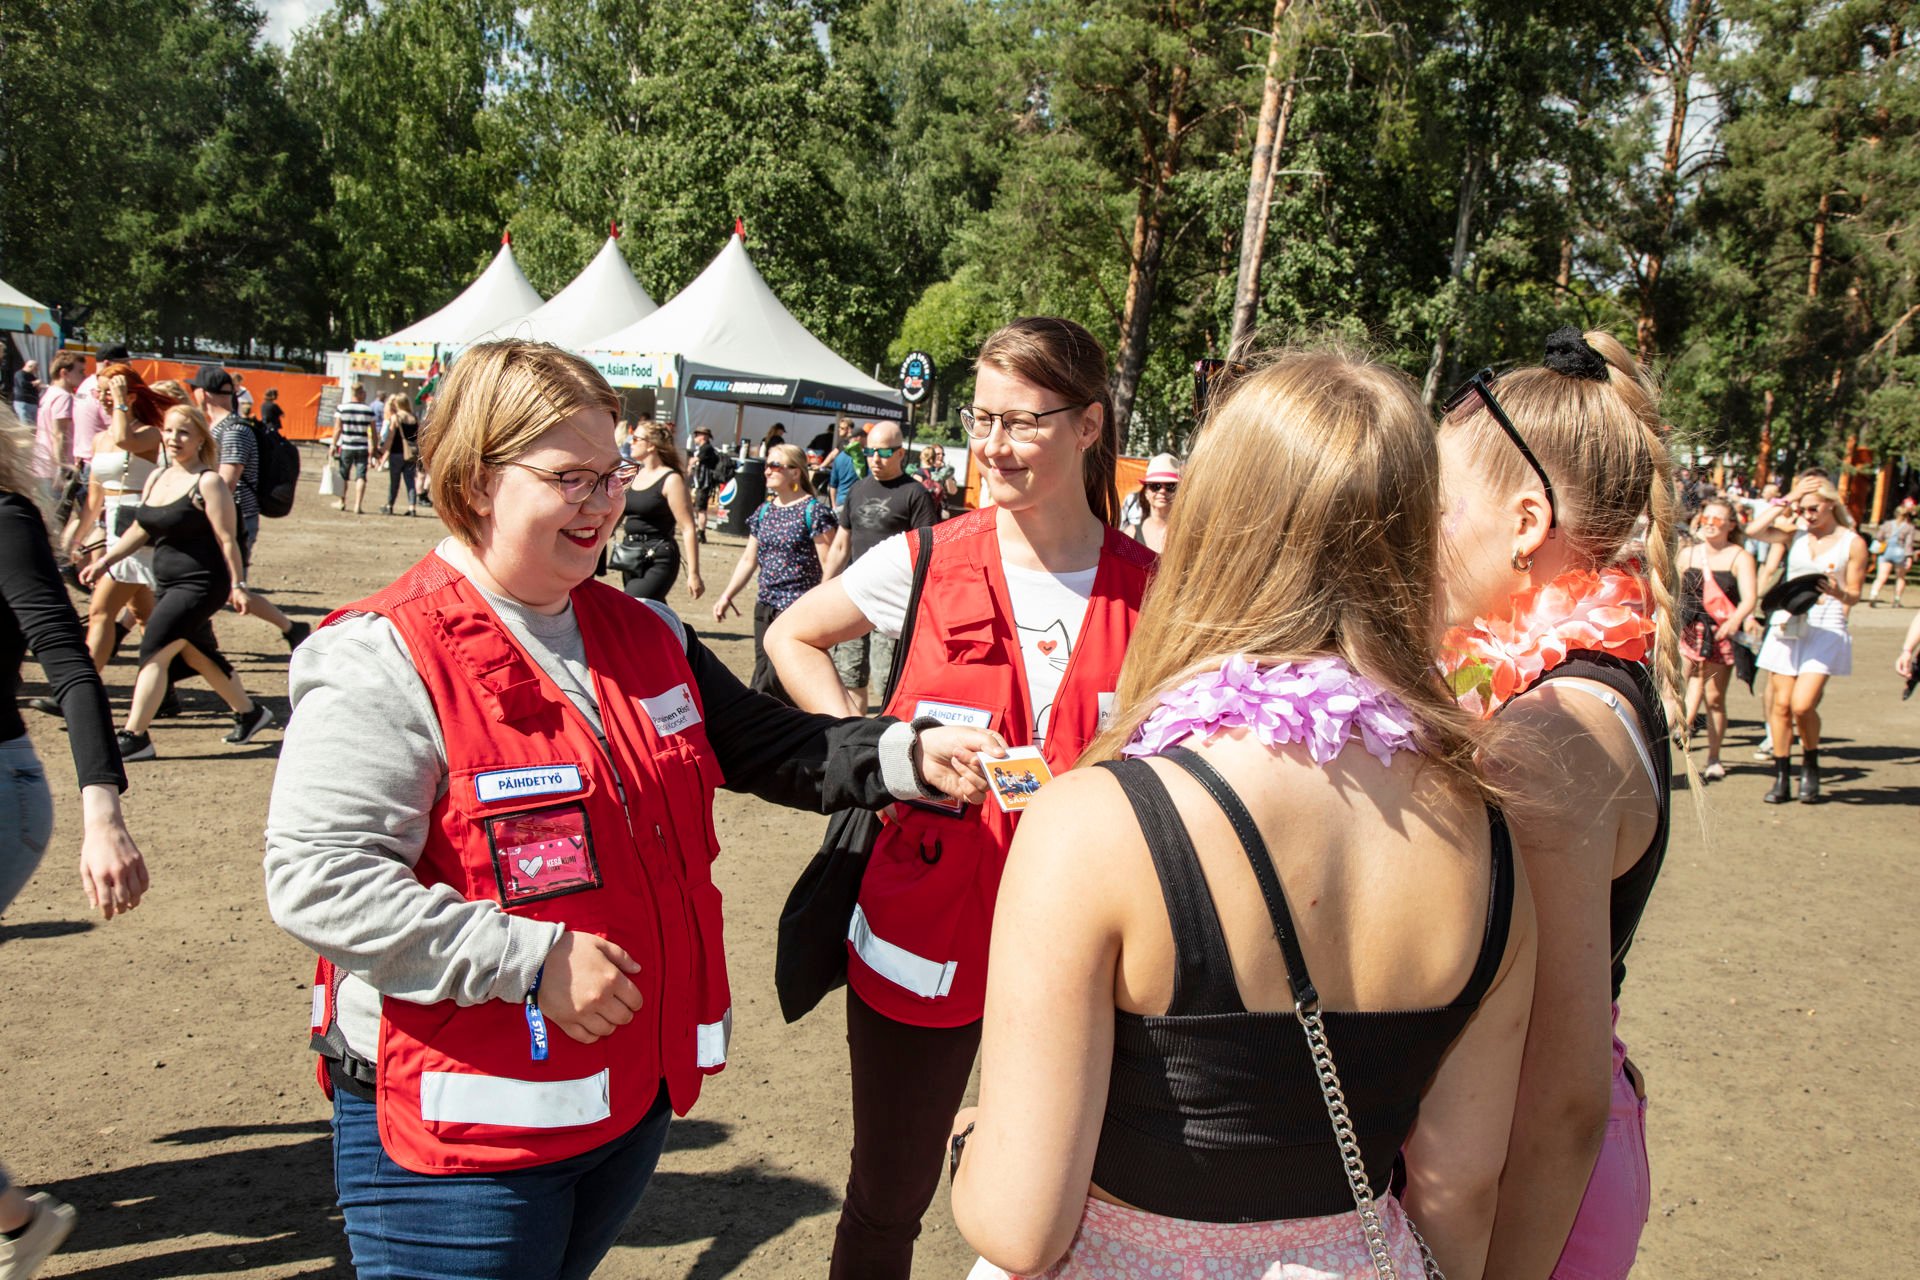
(1896,554)
(1157,487)
(703,471)
(1718,592)
(1024,617)
(213,394)
(187,514)
(884,502)
(355,428)
(272,416)
(788,540)
(1805,650)
(36,615)
(656,509)
(1570,635)
(845,464)
(26,391)
(399,443)
(54,421)
(124,459)
(522,971)
(1148,1105)
(937,477)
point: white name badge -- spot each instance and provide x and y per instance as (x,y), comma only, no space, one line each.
(540,780)
(949,713)
(672,711)
(1105,721)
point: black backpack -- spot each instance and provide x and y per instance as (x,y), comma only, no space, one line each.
(279,469)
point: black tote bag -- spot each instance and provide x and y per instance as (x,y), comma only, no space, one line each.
(810,958)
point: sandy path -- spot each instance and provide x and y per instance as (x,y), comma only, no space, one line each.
(155,1070)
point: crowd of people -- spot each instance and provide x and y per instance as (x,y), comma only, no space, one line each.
(1297,943)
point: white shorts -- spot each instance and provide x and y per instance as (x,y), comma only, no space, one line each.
(1817,651)
(136,569)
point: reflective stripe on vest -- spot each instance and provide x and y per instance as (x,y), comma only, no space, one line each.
(456,1097)
(928,979)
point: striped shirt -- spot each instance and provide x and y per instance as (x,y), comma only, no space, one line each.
(355,420)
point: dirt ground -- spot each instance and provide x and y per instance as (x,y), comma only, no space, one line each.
(155,1070)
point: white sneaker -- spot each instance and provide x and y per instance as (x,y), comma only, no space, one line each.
(52,1221)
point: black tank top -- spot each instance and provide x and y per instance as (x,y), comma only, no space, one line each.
(1632,682)
(185,547)
(647,513)
(1214,1113)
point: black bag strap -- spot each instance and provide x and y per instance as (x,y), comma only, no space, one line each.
(923,557)
(1298,979)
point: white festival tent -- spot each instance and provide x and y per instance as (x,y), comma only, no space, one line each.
(498,298)
(603,297)
(30,326)
(743,362)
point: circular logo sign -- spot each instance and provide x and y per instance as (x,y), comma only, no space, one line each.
(916,376)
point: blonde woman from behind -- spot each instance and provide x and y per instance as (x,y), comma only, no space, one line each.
(1282,762)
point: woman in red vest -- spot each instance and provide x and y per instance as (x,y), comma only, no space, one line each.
(1022,625)
(493,820)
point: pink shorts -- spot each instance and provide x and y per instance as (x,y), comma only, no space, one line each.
(1606,1233)
(1129,1244)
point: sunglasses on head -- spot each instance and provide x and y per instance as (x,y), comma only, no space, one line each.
(1481,384)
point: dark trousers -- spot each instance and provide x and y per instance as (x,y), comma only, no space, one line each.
(400,471)
(907,1084)
(763,679)
(656,580)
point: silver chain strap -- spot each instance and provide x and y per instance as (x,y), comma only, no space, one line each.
(1363,1203)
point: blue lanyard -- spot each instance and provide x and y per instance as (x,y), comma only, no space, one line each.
(536,1021)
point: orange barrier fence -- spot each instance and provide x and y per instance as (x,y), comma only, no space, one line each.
(299,392)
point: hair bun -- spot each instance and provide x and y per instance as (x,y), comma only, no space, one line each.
(1569,353)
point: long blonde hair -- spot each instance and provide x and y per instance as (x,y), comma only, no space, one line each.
(1605,447)
(1307,526)
(209,451)
(17,446)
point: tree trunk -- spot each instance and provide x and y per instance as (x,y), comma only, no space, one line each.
(1268,141)
(1162,157)
(1679,68)
(1462,241)
(1818,259)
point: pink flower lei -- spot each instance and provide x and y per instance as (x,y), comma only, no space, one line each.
(1489,662)
(1321,703)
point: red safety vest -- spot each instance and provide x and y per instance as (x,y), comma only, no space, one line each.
(533,819)
(918,941)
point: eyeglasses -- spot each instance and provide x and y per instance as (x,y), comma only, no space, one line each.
(1161,487)
(577,484)
(881,453)
(1021,425)
(1481,384)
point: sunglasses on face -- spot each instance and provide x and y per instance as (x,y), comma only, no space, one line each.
(1481,384)
(881,453)
(1711,520)
(1160,486)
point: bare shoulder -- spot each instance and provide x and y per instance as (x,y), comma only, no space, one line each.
(1079,820)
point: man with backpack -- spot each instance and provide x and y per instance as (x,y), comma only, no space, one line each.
(239,440)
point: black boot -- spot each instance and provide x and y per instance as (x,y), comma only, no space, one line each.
(1782,781)
(1810,777)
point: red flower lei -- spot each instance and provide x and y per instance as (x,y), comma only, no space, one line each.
(1492,660)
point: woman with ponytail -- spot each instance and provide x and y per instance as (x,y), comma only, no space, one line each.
(1023,617)
(1545,471)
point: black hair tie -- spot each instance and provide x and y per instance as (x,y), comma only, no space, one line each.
(1569,353)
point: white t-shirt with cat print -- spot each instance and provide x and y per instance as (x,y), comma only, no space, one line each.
(1048,609)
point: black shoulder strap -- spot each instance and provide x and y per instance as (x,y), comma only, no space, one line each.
(1298,979)
(1493,944)
(1203,968)
(923,557)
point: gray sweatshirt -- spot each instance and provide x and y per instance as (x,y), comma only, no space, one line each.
(361,768)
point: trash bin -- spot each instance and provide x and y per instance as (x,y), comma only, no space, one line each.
(749,485)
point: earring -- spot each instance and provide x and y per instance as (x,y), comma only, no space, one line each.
(1521,563)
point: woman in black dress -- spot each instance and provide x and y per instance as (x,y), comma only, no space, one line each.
(658,507)
(187,515)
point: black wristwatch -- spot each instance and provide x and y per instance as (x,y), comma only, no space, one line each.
(956,1147)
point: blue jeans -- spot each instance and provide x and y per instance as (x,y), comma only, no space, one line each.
(26,816)
(25,412)
(551,1222)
